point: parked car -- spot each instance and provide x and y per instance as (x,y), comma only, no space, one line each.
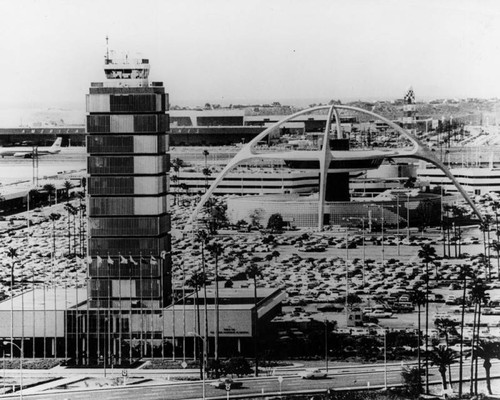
(379,314)
(312,373)
(222,382)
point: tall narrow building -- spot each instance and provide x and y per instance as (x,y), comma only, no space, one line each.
(410,111)
(129,224)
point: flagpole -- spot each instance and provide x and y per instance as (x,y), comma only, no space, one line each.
(98,316)
(140,309)
(163,317)
(66,308)
(55,303)
(44,311)
(120,314)
(152,308)
(173,319)
(130,309)
(78,262)
(34,314)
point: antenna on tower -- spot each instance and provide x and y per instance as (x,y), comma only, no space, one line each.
(107,50)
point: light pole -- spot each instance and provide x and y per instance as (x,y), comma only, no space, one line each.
(202,361)
(326,345)
(20,365)
(408,216)
(385,355)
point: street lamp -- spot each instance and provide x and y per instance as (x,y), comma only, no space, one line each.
(385,355)
(202,362)
(6,342)
(326,345)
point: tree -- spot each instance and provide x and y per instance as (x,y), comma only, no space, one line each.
(72,211)
(465,272)
(443,357)
(253,271)
(216,250)
(412,379)
(50,189)
(419,298)
(12,253)
(487,351)
(275,223)
(495,245)
(484,227)
(478,297)
(202,237)
(446,327)
(67,186)
(255,217)
(427,254)
(206,170)
(238,366)
(197,281)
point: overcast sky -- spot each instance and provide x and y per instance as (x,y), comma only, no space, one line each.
(227,51)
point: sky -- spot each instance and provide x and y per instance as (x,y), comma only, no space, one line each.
(252,51)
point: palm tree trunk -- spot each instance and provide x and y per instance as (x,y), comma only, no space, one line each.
(205,306)
(256,317)
(477,343)
(216,348)
(198,331)
(427,329)
(442,371)
(419,340)
(487,367)
(462,339)
(473,352)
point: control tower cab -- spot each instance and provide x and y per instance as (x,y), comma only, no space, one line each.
(126,72)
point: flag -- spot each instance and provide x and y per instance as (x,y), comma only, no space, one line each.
(110,260)
(99,261)
(132,260)
(163,254)
(153,261)
(79,261)
(123,260)
(89,260)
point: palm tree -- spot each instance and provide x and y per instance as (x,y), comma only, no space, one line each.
(479,297)
(12,253)
(71,212)
(216,250)
(446,220)
(495,245)
(446,326)
(487,351)
(202,237)
(427,254)
(484,227)
(197,281)
(174,179)
(443,357)
(206,171)
(50,189)
(67,186)
(253,271)
(34,197)
(419,298)
(465,272)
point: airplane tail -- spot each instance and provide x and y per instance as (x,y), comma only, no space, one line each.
(57,143)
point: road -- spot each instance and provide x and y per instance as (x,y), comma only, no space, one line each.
(339,377)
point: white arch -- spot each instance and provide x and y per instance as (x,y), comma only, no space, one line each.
(324,156)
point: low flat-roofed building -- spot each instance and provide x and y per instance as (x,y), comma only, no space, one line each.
(35,320)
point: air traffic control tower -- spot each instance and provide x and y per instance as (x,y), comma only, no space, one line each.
(129,244)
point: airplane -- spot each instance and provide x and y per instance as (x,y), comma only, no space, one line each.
(27,151)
